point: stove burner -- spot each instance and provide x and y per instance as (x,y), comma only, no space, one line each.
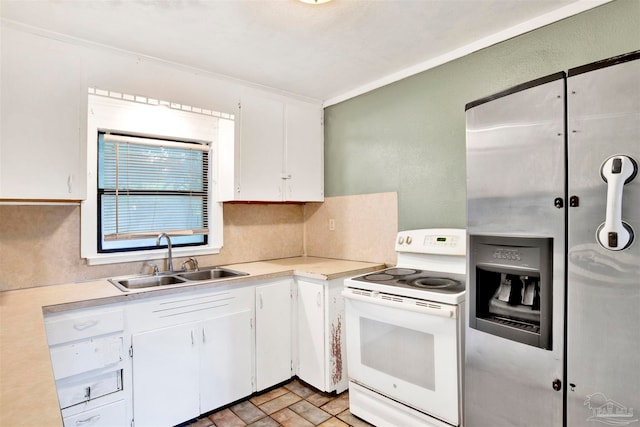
(401,279)
(401,271)
(378,277)
(434,282)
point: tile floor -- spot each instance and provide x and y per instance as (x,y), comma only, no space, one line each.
(295,404)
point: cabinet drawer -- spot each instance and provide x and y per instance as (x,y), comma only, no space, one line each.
(72,326)
(170,310)
(113,414)
(84,356)
(80,389)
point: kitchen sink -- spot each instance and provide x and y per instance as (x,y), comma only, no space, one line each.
(149,281)
(210,274)
(207,274)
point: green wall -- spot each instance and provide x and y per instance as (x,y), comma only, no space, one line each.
(409,136)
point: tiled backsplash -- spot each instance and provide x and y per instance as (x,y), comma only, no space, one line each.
(364,227)
(40,245)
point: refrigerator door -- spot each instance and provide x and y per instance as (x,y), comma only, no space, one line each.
(603,293)
(516,188)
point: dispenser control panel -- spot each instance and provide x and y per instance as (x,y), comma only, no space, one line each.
(508,254)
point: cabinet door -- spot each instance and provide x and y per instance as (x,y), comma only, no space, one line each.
(311,351)
(261,149)
(165,376)
(226,360)
(304,153)
(273,333)
(42,153)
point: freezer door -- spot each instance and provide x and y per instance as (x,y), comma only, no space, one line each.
(516,161)
(516,188)
(603,297)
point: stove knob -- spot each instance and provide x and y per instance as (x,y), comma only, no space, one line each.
(400,240)
(409,240)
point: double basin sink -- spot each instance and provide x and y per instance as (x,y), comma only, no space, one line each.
(175,278)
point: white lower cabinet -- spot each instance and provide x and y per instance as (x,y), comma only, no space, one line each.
(163,360)
(273,333)
(165,376)
(203,362)
(226,360)
(311,357)
(321,334)
(90,365)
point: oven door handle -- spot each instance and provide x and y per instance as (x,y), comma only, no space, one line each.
(425,307)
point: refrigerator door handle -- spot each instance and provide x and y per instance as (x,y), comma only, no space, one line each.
(614,234)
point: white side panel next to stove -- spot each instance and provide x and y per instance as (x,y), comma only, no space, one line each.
(321,358)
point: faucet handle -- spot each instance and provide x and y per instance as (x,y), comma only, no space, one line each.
(193,262)
(156,271)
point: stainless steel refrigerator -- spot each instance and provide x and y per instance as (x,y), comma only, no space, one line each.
(553,282)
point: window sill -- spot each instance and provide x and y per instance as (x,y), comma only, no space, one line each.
(154,254)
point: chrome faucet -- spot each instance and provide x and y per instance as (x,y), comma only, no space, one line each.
(169,256)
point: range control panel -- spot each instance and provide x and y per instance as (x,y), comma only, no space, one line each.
(440,241)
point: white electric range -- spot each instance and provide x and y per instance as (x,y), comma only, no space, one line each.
(404,329)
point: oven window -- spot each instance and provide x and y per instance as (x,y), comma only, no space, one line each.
(402,353)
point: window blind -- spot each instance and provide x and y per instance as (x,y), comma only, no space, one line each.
(149,186)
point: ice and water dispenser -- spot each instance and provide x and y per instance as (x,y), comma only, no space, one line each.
(510,292)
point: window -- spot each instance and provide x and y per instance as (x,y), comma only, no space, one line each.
(147,187)
(151,168)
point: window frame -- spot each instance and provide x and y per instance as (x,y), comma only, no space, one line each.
(104,192)
(145,117)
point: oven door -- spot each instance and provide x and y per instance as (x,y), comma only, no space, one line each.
(405,349)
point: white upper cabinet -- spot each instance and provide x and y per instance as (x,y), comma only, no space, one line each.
(41,146)
(304,153)
(260,154)
(277,155)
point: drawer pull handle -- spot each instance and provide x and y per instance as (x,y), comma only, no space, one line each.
(85,325)
(88,420)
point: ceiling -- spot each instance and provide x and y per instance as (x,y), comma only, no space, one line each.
(326,52)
